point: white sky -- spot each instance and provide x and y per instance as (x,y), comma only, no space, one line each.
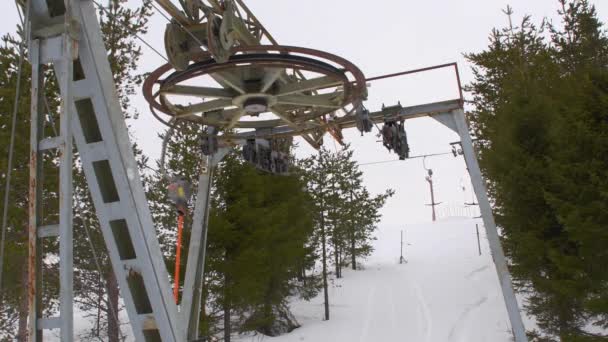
(382,36)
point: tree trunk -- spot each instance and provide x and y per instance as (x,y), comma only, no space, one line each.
(336,254)
(323,242)
(339,262)
(23,309)
(226,307)
(99,300)
(353,259)
(112,288)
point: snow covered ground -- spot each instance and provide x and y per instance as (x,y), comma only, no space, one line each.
(446,292)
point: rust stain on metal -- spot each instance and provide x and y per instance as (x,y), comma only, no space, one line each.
(459,85)
(32,236)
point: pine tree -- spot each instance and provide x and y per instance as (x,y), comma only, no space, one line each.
(540,104)
(578,159)
(12,295)
(259,226)
(346,214)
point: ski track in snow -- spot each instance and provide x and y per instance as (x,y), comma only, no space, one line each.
(445,293)
(462,326)
(368,316)
(425,313)
(474,272)
(393,307)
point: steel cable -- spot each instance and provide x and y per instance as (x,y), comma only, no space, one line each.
(137,36)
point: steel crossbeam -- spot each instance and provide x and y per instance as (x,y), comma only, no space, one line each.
(64,46)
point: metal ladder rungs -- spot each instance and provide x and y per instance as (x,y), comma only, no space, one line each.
(97,151)
(48,231)
(81,90)
(49,143)
(132,265)
(114,211)
(148,322)
(49,323)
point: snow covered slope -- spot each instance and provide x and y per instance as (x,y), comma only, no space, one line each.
(446,292)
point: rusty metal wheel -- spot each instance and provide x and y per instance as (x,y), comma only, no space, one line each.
(261,89)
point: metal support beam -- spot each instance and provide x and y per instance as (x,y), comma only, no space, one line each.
(66,251)
(91,112)
(195,267)
(500,261)
(35,198)
(63,63)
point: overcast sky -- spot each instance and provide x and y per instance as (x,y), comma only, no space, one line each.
(381,36)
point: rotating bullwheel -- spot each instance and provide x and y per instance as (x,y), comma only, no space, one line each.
(261,92)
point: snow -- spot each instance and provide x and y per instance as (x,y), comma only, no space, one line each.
(445,292)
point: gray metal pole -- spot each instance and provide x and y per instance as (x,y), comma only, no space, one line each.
(66,252)
(195,267)
(478,242)
(430,180)
(500,262)
(35,203)
(401,255)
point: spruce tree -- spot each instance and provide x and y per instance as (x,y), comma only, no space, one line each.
(539,113)
(259,226)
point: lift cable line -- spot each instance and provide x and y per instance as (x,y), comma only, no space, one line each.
(105,10)
(399,160)
(11,148)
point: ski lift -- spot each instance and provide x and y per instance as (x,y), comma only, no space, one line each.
(364,123)
(394,138)
(456,151)
(267,155)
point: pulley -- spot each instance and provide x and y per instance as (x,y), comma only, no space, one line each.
(364,123)
(209,143)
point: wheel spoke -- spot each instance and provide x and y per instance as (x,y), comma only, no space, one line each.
(220,93)
(204,107)
(307,85)
(227,79)
(236,116)
(270,77)
(295,126)
(285,117)
(325,100)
